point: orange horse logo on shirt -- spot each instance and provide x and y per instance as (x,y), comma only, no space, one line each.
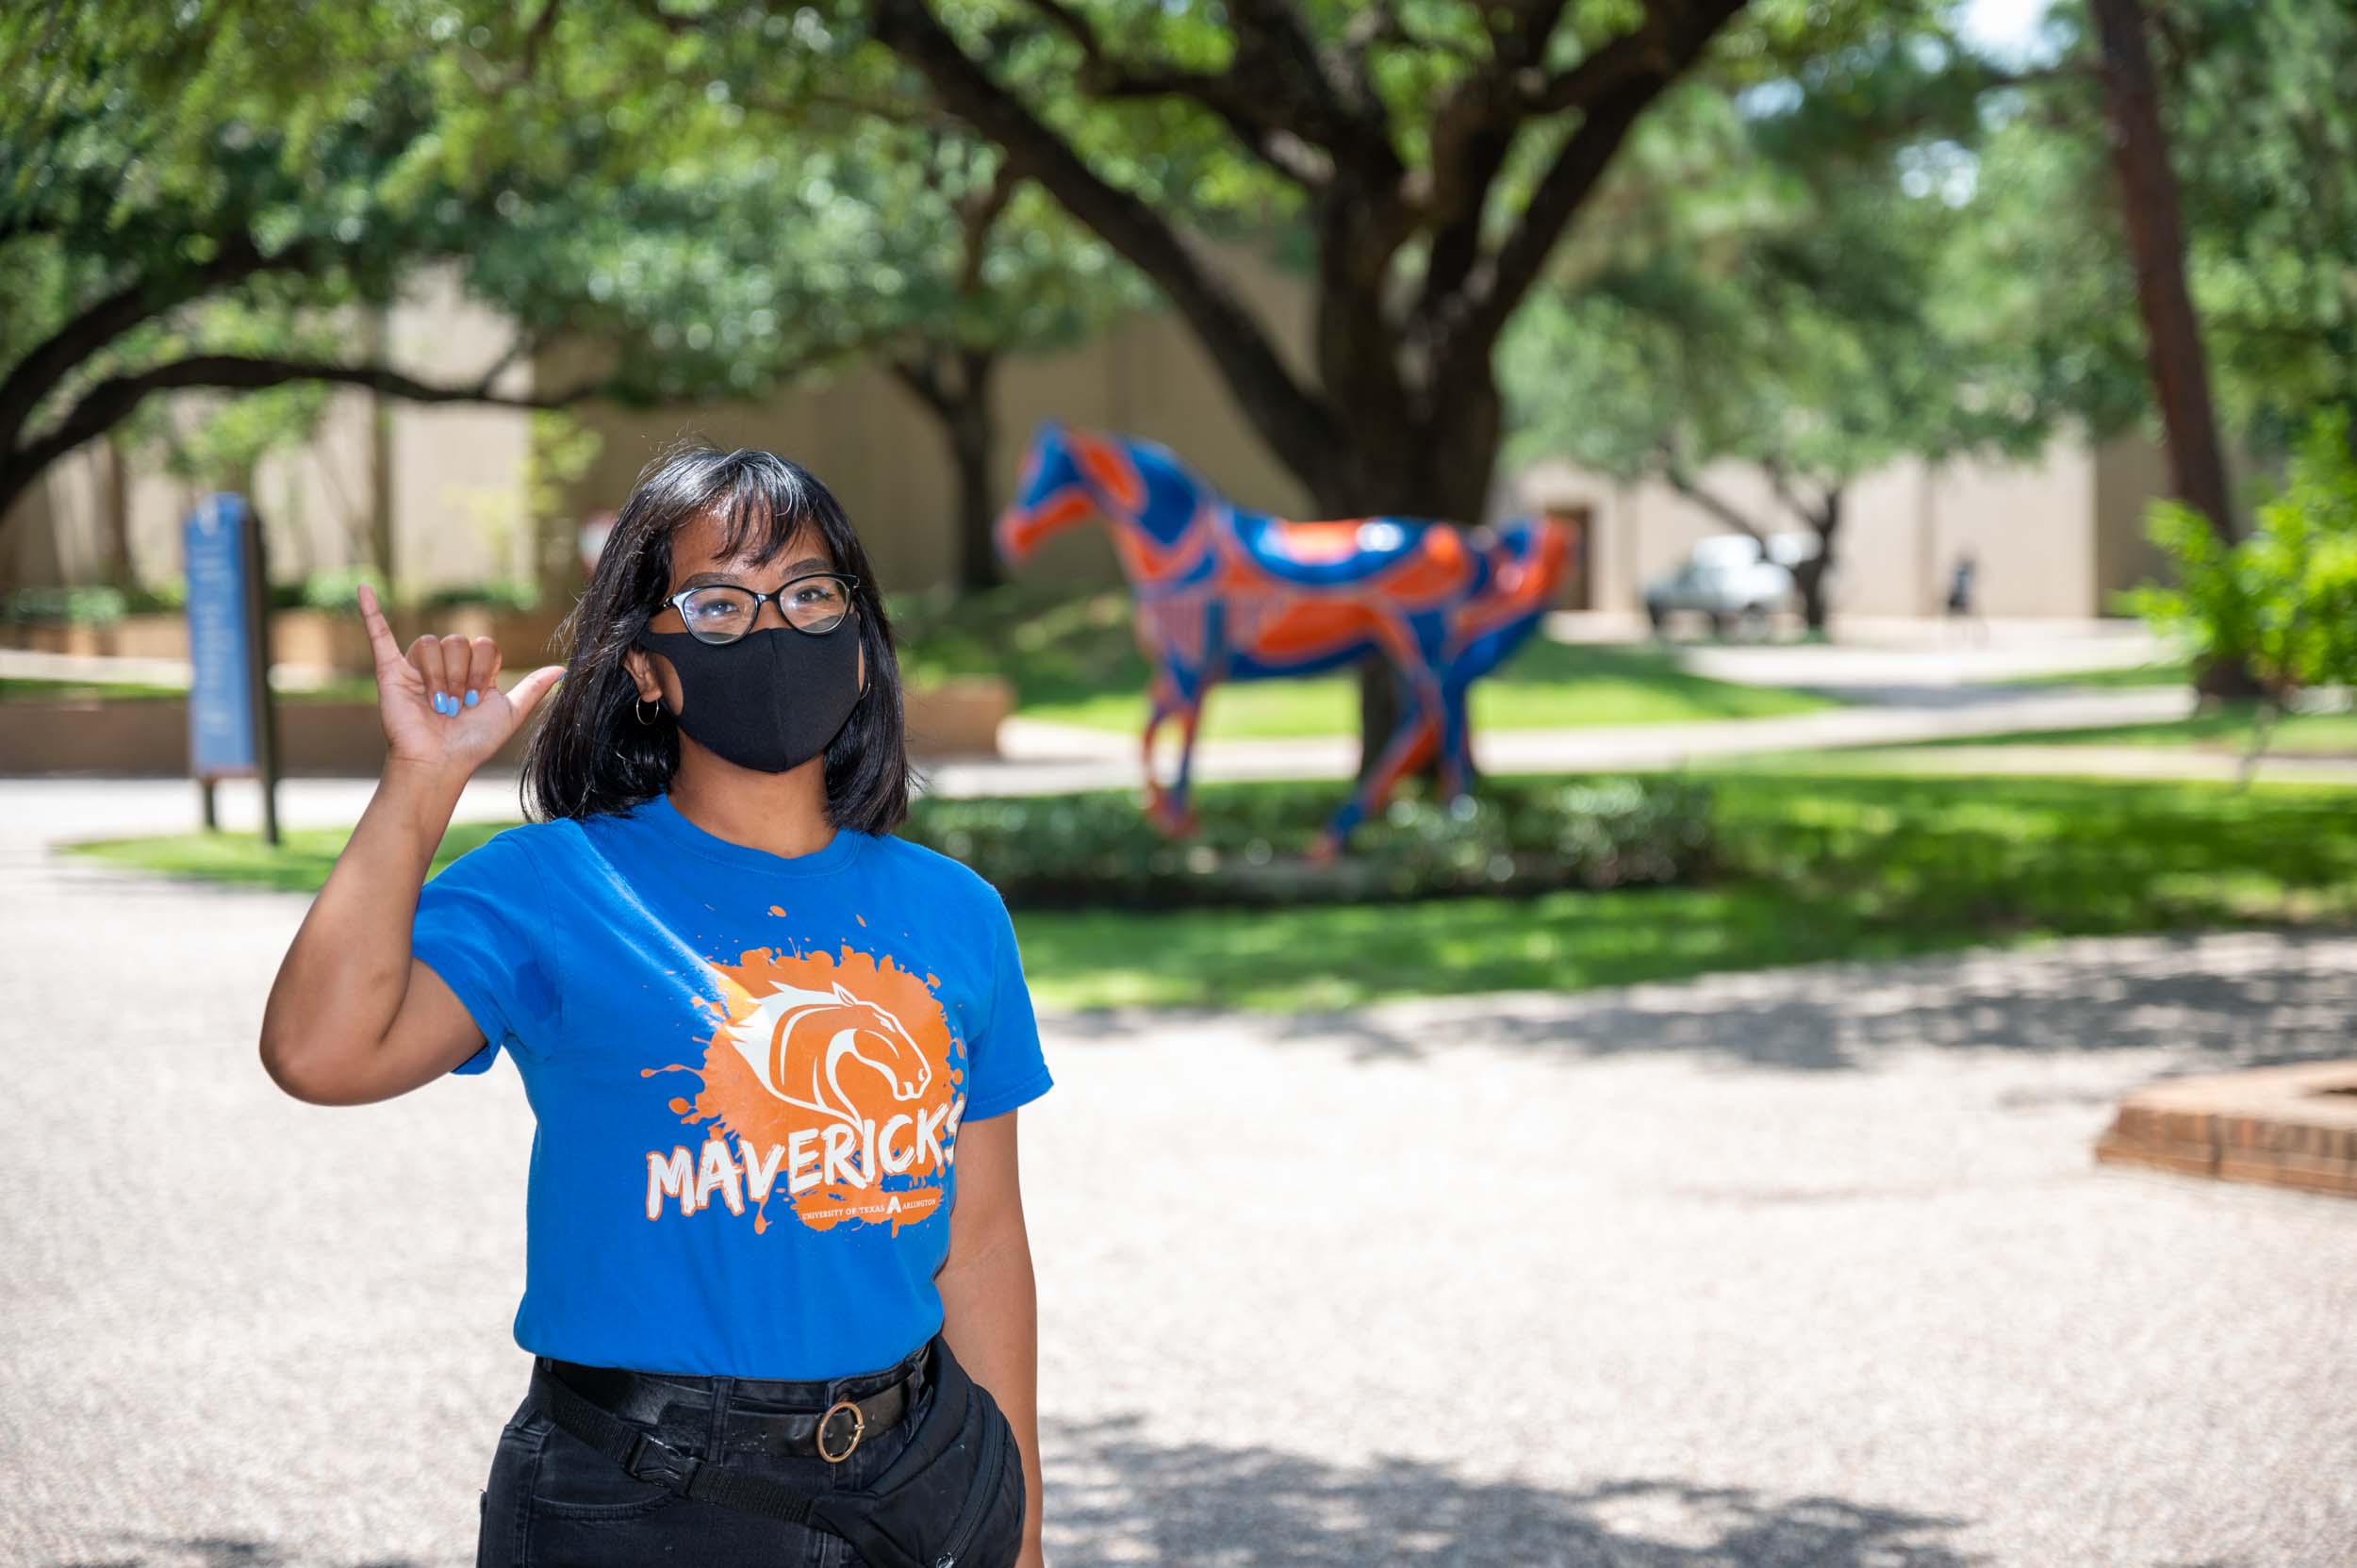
(830,1075)
(801,1041)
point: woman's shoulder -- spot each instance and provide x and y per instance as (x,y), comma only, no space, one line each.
(892,855)
(516,846)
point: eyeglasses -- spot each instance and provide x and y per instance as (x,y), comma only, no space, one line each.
(722,612)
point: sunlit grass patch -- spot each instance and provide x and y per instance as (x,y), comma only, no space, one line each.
(1809,867)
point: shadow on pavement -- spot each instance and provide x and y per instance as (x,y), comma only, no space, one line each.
(1243,1507)
(2257,1000)
(2253,998)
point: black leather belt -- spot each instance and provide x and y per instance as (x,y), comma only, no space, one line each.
(763,1415)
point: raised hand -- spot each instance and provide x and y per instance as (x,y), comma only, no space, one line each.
(440,702)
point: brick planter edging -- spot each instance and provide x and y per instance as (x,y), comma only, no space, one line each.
(2285,1126)
(149,737)
(306,640)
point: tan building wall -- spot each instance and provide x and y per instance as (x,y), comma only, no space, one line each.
(887,457)
(2053,537)
(454,478)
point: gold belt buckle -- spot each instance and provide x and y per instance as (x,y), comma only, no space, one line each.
(859,1428)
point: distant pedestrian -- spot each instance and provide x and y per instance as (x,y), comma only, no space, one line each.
(1961,606)
(743,1283)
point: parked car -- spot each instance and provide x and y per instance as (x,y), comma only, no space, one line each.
(1729,579)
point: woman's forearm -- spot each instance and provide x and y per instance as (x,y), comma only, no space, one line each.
(990,1310)
(344,976)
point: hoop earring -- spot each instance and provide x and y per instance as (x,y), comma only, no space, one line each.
(637,704)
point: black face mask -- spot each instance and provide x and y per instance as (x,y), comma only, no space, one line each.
(771,700)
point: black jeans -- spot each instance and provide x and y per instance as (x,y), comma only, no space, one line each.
(554,1502)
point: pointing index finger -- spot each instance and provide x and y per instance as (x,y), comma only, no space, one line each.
(381,641)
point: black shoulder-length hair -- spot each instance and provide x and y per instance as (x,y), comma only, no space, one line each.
(589,754)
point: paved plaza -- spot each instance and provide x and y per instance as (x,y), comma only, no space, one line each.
(1807,1269)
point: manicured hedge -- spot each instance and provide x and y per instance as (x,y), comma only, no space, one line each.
(1515,839)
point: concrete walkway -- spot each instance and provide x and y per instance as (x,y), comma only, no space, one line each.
(1805,1269)
(1903,660)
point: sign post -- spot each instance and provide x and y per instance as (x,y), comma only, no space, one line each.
(231,728)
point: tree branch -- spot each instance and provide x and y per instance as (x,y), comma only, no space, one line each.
(918,373)
(1381,24)
(111,401)
(1289,418)
(897,114)
(976,221)
(1781,481)
(1496,285)
(1625,57)
(1473,132)
(1278,58)
(1244,107)
(679,27)
(1072,24)
(1686,485)
(528,62)
(39,374)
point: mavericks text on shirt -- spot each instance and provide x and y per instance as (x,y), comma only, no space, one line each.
(810,1157)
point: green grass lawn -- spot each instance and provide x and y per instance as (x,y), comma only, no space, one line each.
(2168,672)
(2226,730)
(1812,866)
(19,688)
(1075,661)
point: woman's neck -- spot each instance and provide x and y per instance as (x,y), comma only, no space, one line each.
(784,814)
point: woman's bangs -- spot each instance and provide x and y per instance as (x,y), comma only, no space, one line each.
(762,514)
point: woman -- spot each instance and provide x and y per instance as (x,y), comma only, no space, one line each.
(774,1052)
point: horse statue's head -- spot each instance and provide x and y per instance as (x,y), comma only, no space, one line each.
(1069,475)
(1527,559)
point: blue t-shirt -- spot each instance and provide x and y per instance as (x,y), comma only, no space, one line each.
(748,1072)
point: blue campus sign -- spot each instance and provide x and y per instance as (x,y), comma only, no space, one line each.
(221,720)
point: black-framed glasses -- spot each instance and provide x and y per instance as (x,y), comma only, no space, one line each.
(722,612)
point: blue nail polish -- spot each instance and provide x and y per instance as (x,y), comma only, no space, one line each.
(473,698)
(441,703)
(435,698)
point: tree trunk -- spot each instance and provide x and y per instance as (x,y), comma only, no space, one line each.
(1810,574)
(1441,470)
(114,514)
(970,429)
(382,543)
(954,385)
(2156,247)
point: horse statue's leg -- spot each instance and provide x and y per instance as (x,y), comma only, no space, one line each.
(1456,739)
(1179,696)
(1179,818)
(1146,750)
(1162,692)
(1411,740)
(1193,682)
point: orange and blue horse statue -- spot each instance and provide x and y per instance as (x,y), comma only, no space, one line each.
(1224,593)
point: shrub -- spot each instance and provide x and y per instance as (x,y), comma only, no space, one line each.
(504,597)
(2284,598)
(86,605)
(1515,839)
(335,590)
(169,597)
